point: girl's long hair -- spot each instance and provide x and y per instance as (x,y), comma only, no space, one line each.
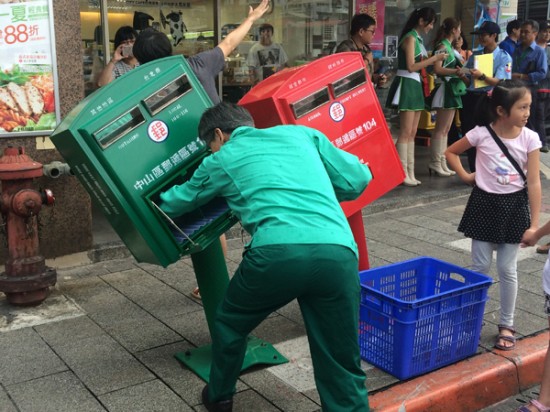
(505,94)
(446,28)
(426,13)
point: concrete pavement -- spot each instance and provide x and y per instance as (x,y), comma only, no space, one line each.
(105,339)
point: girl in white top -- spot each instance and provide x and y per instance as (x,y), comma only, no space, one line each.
(500,210)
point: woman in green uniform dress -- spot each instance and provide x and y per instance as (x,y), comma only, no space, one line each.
(406,92)
(448,96)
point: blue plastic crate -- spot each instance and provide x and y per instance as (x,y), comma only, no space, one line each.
(420,315)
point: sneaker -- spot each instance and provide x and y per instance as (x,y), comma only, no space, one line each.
(544,149)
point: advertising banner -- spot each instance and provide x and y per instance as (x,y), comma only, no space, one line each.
(28,75)
(375,9)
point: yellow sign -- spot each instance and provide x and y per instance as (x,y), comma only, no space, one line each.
(483,63)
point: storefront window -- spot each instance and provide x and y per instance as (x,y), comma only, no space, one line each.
(301,31)
(92,45)
(189,24)
(304,30)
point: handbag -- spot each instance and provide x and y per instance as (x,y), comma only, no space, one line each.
(507,154)
(457,86)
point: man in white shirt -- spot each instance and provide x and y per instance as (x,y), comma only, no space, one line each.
(266,57)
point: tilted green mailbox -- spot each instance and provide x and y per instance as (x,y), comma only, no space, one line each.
(128,142)
(132,139)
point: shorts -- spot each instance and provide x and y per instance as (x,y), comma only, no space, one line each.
(547,304)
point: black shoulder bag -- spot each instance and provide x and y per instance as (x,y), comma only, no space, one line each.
(507,154)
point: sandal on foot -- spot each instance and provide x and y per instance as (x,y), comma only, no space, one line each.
(543,250)
(538,406)
(507,338)
(196,293)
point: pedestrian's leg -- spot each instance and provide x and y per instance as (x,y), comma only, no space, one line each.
(508,281)
(508,287)
(482,256)
(330,309)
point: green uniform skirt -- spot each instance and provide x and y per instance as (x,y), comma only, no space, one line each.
(449,100)
(408,93)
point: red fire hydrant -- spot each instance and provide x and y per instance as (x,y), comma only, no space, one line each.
(26,280)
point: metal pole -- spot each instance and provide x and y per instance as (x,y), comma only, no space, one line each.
(104,19)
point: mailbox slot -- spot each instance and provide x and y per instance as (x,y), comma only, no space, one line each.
(310,103)
(349,83)
(119,127)
(168,94)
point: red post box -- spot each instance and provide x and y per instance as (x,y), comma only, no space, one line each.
(334,95)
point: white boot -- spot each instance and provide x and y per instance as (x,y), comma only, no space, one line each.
(444,165)
(402,151)
(410,162)
(436,149)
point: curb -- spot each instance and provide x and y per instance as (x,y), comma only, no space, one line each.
(469,385)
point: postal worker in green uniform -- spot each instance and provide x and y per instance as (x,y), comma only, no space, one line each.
(285,184)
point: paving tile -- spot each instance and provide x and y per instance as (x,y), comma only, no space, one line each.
(103,365)
(378,379)
(277,329)
(531,302)
(276,391)
(178,377)
(388,252)
(55,308)
(193,326)
(141,333)
(526,323)
(250,400)
(25,356)
(146,397)
(148,292)
(431,223)
(55,334)
(179,276)
(6,402)
(531,266)
(292,311)
(61,392)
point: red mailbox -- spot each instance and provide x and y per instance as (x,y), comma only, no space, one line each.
(334,95)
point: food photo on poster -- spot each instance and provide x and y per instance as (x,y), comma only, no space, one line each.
(27,70)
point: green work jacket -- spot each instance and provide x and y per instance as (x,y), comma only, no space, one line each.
(284,184)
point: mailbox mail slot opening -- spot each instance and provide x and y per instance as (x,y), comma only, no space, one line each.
(348,83)
(310,103)
(186,228)
(167,95)
(119,127)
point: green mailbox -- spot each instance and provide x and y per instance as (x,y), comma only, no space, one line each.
(133,139)
(129,141)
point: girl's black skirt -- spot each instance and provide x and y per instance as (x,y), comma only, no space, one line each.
(496,218)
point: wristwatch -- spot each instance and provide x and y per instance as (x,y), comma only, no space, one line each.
(482,77)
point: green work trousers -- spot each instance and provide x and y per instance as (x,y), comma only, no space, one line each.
(324,279)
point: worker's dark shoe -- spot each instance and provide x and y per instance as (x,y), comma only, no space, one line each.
(220,406)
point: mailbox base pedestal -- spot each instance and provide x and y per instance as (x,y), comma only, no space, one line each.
(258,352)
(356,224)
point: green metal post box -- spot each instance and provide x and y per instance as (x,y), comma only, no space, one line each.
(134,138)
